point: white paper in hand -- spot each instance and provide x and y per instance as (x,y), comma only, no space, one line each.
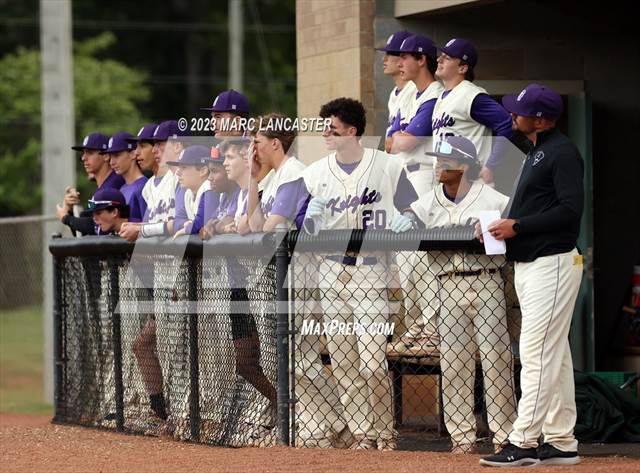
(491,245)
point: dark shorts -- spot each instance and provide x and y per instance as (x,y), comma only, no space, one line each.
(243,325)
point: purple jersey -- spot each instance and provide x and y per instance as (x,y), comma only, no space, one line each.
(133,194)
(113,181)
(228,203)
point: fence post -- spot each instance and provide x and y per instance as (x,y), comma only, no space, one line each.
(282,332)
(114,299)
(194,356)
(58,363)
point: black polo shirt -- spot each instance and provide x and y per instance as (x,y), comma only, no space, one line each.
(548,199)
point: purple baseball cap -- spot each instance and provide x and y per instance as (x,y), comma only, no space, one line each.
(168,130)
(535,101)
(229,101)
(419,44)
(121,141)
(461,49)
(145,133)
(93,141)
(196,155)
(455,147)
(105,198)
(394,41)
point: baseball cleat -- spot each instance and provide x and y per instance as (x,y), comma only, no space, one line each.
(512,455)
(550,455)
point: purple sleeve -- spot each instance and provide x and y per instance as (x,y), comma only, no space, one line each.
(395,126)
(291,201)
(405,193)
(491,114)
(181,210)
(420,125)
(138,204)
(206,209)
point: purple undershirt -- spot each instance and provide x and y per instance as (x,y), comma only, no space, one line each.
(290,202)
(133,195)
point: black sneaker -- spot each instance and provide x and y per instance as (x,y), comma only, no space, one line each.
(510,455)
(550,455)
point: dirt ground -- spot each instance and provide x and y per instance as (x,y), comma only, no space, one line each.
(33,444)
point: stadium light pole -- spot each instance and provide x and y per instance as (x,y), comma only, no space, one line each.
(58,167)
(236,40)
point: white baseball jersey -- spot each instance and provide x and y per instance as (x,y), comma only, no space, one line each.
(452,117)
(436,210)
(160,198)
(400,102)
(191,202)
(420,171)
(362,199)
(290,171)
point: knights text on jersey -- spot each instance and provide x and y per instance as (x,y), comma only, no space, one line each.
(361,200)
(452,117)
(160,195)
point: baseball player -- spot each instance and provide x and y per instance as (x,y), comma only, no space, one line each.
(228,111)
(411,137)
(109,210)
(144,150)
(121,151)
(418,64)
(199,201)
(540,231)
(244,331)
(159,193)
(357,188)
(404,90)
(470,299)
(464,109)
(228,191)
(98,169)
(284,199)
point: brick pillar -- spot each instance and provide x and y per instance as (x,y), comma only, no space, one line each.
(334,54)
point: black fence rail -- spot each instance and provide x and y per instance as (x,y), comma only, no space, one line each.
(345,339)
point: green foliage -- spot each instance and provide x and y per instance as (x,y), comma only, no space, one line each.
(21,361)
(107,97)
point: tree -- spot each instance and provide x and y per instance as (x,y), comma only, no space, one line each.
(107,98)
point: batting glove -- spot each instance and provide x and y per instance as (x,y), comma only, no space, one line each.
(402,223)
(316,207)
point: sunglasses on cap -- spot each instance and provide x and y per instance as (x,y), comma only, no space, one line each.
(444,147)
(94,203)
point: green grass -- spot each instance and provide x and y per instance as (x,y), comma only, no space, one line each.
(21,362)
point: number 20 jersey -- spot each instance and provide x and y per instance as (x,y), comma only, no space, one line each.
(360,200)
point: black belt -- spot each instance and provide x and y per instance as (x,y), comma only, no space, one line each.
(353,260)
(463,274)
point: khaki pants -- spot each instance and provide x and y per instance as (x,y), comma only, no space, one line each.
(473,318)
(547,289)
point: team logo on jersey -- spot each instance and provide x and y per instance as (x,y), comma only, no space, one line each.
(521,94)
(85,141)
(338,205)
(451,41)
(539,156)
(445,120)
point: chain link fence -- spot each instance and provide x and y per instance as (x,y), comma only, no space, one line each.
(21,255)
(349,339)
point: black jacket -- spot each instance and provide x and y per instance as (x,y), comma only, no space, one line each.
(548,200)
